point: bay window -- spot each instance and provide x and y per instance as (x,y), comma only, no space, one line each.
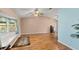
(7,25)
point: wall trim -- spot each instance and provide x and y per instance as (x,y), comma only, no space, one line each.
(66,45)
(33,33)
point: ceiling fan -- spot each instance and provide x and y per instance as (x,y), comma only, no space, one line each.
(37,12)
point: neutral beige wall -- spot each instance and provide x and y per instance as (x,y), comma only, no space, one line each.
(33,25)
(8,11)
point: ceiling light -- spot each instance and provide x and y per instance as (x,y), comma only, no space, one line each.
(37,12)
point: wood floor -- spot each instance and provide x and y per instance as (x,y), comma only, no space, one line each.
(42,42)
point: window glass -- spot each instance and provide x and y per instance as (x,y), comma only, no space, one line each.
(7,25)
(12,25)
(3,25)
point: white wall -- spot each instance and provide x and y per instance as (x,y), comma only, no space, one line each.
(6,38)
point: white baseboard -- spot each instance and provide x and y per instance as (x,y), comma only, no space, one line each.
(67,45)
(32,33)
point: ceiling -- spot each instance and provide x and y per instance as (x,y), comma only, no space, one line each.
(26,12)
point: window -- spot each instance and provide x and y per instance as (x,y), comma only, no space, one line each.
(3,25)
(12,25)
(7,25)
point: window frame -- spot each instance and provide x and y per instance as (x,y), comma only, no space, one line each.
(7,21)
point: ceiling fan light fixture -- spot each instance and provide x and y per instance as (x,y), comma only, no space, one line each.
(37,12)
